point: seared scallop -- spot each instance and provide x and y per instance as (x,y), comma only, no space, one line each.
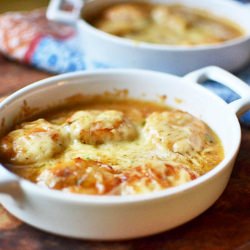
(163,16)
(176,131)
(97,127)
(33,142)
(79,176)
(123,18)
(154,176)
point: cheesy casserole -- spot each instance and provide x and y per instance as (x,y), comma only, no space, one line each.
(111,147)
(165,24)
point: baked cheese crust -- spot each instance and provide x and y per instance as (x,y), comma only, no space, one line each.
(112,148)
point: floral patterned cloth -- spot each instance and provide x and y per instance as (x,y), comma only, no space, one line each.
(30,38)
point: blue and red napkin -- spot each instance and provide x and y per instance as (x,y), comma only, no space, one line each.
(30,38)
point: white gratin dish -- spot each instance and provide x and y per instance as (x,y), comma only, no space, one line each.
(105,50)
(125,217)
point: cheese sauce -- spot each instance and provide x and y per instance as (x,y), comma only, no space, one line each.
(112,147)
(165,24)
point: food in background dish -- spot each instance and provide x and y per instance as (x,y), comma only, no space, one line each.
(165,24)
(111,147)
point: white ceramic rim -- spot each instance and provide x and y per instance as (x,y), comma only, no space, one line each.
(108,200)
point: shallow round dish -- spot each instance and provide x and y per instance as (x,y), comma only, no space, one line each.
(105,50)
(124,217)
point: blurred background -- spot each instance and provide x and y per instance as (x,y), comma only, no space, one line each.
(14,5)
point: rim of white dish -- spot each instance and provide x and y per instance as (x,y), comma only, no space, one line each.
(116,200)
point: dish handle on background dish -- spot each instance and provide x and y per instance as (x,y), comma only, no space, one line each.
(57,12)
(227,79)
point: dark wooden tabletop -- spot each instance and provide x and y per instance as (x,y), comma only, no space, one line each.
(226,225)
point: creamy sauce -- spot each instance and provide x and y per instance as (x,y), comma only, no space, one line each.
(112,147)
(165,24)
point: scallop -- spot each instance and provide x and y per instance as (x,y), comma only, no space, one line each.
(154,176)
(33,142)
(176,131)
(123,18)
(79,176)
(98,127)
(163,16)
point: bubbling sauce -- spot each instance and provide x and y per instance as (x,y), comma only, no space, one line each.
(111,147)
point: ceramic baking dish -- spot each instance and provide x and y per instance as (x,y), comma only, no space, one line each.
(105,50)
(123,217)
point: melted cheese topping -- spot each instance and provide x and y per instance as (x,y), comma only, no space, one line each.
(112,148)
(165,24)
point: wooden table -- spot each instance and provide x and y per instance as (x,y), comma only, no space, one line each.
(226,225)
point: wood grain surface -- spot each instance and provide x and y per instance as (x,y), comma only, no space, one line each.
(14,76)
(226,225)
(21,5)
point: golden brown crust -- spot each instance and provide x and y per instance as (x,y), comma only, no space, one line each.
(112,148)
